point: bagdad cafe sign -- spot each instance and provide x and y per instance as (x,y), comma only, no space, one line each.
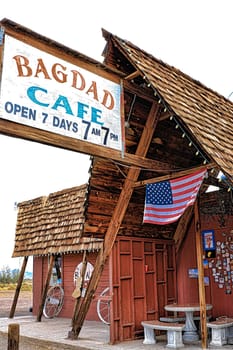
(45,92)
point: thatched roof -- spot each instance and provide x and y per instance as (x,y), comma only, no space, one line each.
(53,224)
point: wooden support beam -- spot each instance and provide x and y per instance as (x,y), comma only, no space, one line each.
(201,284)
(137,90)
(132,75)
(48,138)
(18,287)
(116,220)
(173,175)
(13,336)
(78,300)
(46,287)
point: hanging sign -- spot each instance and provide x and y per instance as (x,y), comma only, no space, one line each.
(78,277)
(46,92)
(209,245)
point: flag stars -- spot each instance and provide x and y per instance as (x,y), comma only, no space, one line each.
(159,193)
(166,201)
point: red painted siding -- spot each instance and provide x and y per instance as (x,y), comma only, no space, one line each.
(188,287)
(141,274)
(69,263)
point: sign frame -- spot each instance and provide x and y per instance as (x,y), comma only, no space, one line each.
(100,134)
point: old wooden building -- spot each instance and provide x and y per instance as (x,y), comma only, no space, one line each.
(173,125)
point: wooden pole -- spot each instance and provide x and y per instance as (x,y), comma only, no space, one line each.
(116,220)
(202,301)
(13,336)
(18,287)
(173,175)
(46,287)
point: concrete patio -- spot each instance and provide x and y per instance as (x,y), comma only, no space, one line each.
(52,334)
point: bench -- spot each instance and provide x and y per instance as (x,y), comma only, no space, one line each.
(174,333)
(220,330)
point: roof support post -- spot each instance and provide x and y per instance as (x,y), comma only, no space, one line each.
(116,220)
(46,287)
(78,300)
(19,284)
(201,285)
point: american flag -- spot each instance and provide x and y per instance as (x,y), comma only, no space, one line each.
(166,201)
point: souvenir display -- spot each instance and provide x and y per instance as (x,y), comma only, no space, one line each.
(221,264)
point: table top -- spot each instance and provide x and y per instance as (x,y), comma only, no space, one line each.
(186,307)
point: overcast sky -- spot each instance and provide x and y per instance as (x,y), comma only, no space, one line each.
(194,36)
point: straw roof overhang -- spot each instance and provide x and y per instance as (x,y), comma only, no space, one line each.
(53,224)
(207,115)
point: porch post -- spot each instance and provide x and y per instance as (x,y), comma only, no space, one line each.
(46,287)
(78,300)
(19,284)
(201,285)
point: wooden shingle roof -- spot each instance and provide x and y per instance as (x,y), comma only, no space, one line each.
(206,114)
(53,224)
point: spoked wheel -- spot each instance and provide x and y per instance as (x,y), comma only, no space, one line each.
(103,306)
(54,302)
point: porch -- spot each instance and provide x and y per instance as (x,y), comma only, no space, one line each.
(52,334)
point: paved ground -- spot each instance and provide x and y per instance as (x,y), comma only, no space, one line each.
(51,334)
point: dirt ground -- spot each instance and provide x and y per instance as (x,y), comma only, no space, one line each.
(23,307)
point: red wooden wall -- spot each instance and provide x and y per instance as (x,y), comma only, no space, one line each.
(69,263)
(144,275)
(141,274)
(144,281)
(219,269)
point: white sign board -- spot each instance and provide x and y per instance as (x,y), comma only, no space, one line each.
(45,92)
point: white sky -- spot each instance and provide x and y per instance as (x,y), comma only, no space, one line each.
(194,36)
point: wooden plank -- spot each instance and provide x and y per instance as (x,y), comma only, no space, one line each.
(201,285)
(133,75)
(45,137)
(59,50)
(174,175)
(46,287)
(18,287)
(78,300)
(116,220)
(13,336)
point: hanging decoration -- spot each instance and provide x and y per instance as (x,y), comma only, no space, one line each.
(209,245)
(221,267)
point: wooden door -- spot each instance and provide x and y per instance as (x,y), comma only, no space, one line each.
(143,281)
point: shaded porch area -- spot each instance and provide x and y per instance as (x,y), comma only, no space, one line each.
(52,334)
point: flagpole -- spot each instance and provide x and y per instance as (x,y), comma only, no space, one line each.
(173,175)
(199,250)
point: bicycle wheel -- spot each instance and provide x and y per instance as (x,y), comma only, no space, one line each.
(53,302)
(103,306)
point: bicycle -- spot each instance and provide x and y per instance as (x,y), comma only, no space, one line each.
(54,301)
(103,306)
